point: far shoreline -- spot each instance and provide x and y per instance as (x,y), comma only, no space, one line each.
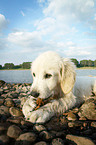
(80,68)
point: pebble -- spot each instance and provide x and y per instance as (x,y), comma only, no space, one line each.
(46,136)
(4,139)
(71,116)
(79,140)
(15,111)
(4,110)
(1,101)
(26,138)
(88,110)
(41,143)
(9,102)
(57,141)
(14,131)
(39,128)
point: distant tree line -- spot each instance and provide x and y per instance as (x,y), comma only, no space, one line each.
(24,65)
(27,65)
(84,63)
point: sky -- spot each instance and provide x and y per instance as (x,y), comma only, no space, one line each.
(31,27)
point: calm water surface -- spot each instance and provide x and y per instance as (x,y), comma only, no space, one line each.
(24,76)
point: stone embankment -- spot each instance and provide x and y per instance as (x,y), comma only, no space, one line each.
(75,127)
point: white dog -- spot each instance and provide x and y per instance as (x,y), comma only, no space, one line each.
(55,76)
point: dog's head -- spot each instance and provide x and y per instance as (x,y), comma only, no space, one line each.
(52,75)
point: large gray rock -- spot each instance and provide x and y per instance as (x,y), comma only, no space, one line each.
(88,110)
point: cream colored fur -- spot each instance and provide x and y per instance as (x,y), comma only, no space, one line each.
(60,83)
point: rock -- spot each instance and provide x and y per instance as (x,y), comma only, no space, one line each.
(4,140)
(15,111)
(2,83)
(26,139)
(46,136)
(5,88)
(4,110)
(38,128)
(14,131)
(57,141)
(87,132)
(71,116)
(79,140)
(75,124)
(14,94)
(93,124)
(1,91)
(15,120)
(88,110)
(1,101)
(9,102)
(41,143)
(3,129)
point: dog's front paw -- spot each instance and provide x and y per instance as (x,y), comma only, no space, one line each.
(39,116)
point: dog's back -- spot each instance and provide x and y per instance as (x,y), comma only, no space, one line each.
(84,86)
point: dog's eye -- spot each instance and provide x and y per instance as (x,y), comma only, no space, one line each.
(47,76)
(34,74)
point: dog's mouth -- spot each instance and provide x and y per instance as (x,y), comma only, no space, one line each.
(43,101)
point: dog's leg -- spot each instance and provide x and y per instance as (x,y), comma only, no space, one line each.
(28,107)
(44,113)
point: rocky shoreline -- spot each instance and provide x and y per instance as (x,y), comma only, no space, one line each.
(75,127)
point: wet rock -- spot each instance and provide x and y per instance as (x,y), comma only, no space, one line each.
(26,139)
(15,111)
(39,128)
(14,131)
(46,136)
(88,110)
(79,140)
(41,143)
(57,141)
(9,102)
(4,139)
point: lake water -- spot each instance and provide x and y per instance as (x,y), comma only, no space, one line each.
(24,76)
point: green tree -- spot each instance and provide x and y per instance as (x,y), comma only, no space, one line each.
(0,66)
(94,63)
(90,63)
(75,62)
(84,63)
(26,65)
(17,66)
(8,65)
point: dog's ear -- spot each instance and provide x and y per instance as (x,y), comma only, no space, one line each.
(68,75)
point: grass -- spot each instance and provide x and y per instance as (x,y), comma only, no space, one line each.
(86,68)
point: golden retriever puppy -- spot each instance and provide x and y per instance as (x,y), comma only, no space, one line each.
(54,76)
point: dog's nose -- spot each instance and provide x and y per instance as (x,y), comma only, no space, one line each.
(35,94)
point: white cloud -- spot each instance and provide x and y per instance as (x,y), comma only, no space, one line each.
(3,22)
(66,9)
(25,39)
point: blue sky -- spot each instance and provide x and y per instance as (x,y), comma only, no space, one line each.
(28,28)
